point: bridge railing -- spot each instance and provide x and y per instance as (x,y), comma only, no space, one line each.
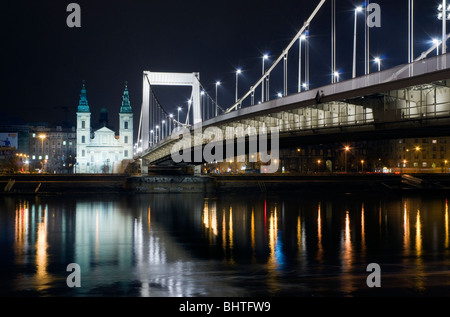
(422,67)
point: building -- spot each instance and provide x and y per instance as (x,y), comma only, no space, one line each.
(52,149)
(101,150)
(426,155)
(14,133)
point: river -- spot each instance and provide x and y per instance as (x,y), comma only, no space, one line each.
(191,245)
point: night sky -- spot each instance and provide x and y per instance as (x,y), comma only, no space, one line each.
(44,61)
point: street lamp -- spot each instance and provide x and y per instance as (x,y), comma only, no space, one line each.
(157,128)
(42,137)
(170,123)
(358,9)
(279,95)
(162,130)
(318,165)
(237,76)
(265,56)
(336,75)
(378,61)
(178,116)
(152,138)
(436,42)
(362,166)
(346,149)
(217,84)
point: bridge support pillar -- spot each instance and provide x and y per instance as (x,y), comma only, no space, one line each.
(144,167)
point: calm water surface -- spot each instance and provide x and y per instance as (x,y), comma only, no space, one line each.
(171,245)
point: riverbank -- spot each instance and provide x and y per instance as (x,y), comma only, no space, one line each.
(211,184)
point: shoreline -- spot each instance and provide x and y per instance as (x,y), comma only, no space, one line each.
(252,184)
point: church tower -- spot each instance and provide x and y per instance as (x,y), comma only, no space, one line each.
(83,132)
(126,125)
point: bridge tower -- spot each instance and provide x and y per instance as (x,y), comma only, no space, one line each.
(167,79)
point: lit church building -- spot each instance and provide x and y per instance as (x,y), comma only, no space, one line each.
(101,151)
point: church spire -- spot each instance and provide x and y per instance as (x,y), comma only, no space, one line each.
(126,107)
(83,105)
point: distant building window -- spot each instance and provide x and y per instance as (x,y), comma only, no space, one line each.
(126,125)
(33,157)
(83,124)
(126,139)
(83,139)
(126,153)
(434,141)
(34,135)
(424,164)
(64,142)
(83,153)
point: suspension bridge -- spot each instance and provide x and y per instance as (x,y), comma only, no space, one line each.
(406,100)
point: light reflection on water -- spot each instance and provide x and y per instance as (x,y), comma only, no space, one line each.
(189,245)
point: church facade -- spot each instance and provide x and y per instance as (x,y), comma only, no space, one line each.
(101,150)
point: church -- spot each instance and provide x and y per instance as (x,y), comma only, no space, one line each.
(100,150)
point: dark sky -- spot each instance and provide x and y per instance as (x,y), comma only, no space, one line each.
(44,61)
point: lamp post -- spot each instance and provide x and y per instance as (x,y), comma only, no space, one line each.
(362,166)
(42,137)
(178,116)
(318,166)
(358,9)
(170,123)
(346,149)
(217,84)
(265,56)
(237,76)
(436,42)
(157,128)
(300,39)
(378,61)
(152,138)
(336,75)
(163,134)
(202,94)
